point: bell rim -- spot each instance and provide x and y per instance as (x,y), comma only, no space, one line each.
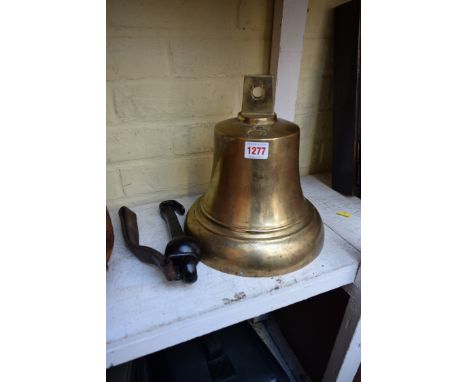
(260,260)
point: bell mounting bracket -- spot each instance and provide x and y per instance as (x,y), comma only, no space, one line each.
(258,98)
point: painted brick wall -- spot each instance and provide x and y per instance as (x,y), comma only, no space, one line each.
(174,69)
(314,99)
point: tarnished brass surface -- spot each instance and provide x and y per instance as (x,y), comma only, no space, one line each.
(254,220)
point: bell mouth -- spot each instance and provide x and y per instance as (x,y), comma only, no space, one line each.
(257,119)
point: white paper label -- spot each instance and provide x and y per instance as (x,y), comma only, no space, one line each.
(256,150)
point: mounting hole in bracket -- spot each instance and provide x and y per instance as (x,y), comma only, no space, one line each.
(258,93)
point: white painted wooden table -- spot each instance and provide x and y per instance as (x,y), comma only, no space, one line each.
(146,313)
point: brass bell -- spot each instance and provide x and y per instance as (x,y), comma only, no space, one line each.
(254,220)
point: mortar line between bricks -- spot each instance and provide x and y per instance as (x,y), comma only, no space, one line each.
(169,123)
(116,31)
(167,159)
(237,76)
(153,160)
